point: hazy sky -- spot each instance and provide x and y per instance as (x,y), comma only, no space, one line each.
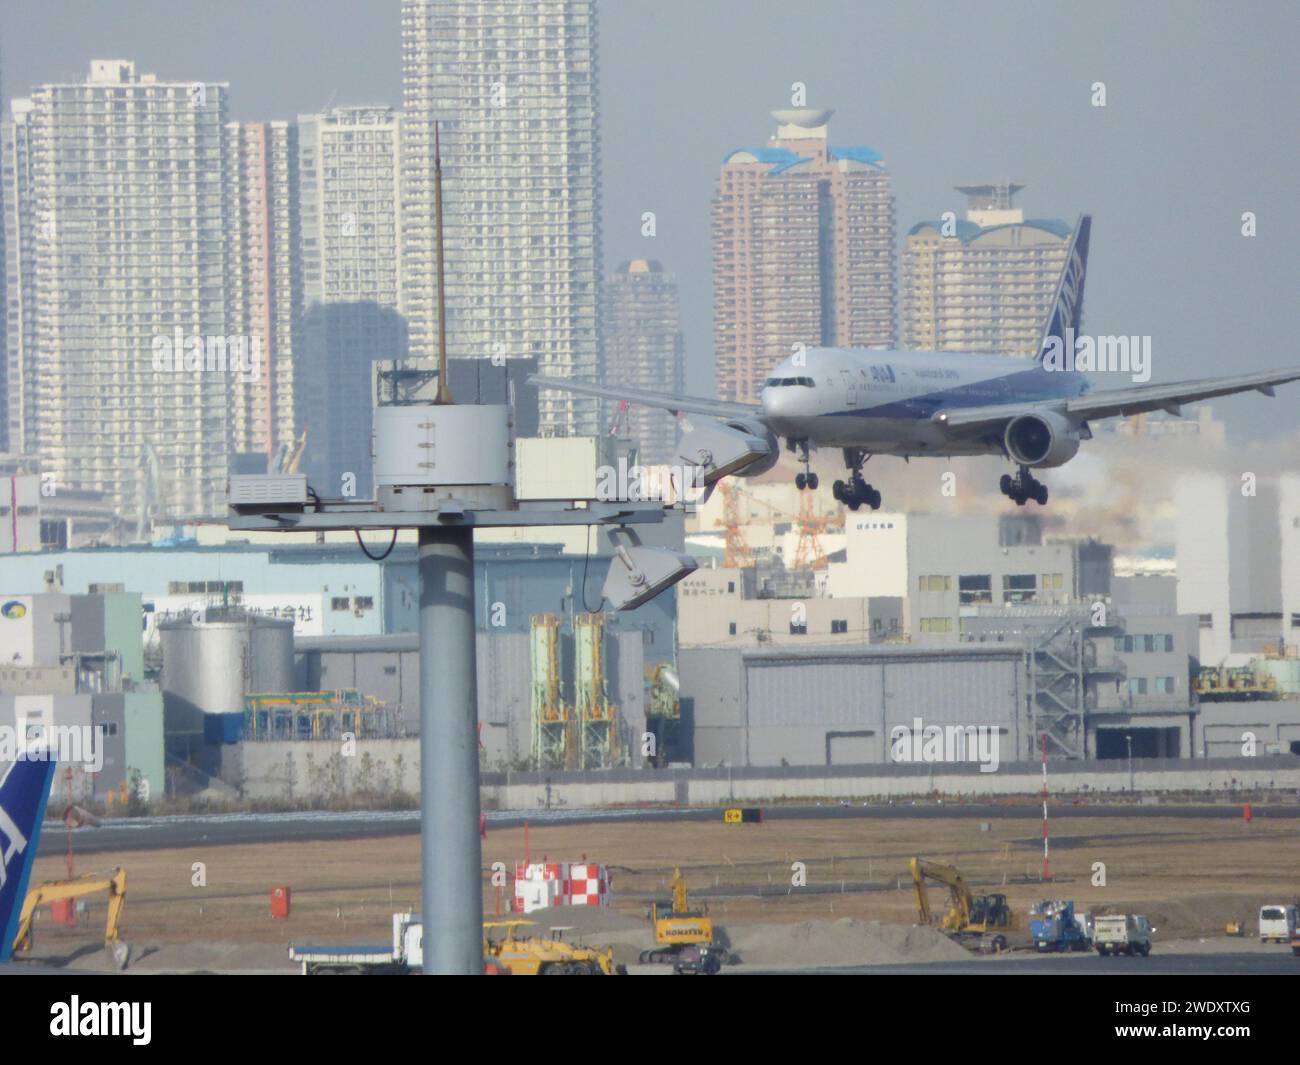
(1202,123)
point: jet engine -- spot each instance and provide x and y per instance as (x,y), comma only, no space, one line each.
(1042,439)
(738,447)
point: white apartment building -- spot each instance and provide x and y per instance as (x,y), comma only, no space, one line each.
(982,283)
(513,85)
(349,167)
(116,223)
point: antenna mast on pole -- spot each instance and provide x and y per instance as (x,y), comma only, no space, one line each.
(444,386)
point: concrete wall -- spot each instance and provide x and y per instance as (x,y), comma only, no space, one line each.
(314,769)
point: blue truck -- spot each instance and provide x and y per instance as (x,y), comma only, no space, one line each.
(1057,929)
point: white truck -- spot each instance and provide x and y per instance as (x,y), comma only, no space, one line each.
(404,956)
(1124,933)
(1277,923)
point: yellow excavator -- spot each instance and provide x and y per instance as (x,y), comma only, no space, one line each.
(970,917)
(684,937)
(526,955)
(51,891)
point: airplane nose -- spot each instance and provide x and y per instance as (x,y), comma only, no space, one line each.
(776,401)
(779,405)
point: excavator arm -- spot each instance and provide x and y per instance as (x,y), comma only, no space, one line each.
(958,915)
(680,904)
(53,890)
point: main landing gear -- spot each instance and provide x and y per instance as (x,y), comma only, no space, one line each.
(807,479)
(1023,487)
(855,491)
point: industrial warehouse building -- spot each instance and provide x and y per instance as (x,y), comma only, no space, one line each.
(388,668)
(837,705)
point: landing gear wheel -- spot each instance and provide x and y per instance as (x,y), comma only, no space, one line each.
(1023,487)
(876,499)
(837,490)
(812,481)
(800,481)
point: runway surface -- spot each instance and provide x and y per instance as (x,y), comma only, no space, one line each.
(1280,963)
(156,833)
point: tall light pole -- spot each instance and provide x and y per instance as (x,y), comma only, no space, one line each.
(446,469)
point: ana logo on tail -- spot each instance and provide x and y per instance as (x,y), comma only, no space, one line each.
(23,793)
(1067,311)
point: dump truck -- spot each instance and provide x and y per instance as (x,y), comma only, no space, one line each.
(508,952)
(1056,928)
(404,955)
(1124,933)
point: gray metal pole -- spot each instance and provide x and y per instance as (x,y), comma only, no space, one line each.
(451,892)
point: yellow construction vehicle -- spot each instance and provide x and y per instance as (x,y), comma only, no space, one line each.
(684,936)
(970,918)
(527,955)
(119,953)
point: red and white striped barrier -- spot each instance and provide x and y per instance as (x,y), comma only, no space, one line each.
(543,885)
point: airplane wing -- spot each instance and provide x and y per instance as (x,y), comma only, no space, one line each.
(688,404)
(1121,402)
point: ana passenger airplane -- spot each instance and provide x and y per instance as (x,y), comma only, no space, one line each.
(925,403)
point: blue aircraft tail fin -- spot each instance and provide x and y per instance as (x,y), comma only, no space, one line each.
(1067,308)
(24,791)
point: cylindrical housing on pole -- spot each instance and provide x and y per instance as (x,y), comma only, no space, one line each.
(450,848)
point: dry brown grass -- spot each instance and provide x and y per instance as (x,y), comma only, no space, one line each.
(1189,875)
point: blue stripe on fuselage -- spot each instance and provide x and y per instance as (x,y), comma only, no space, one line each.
(1031,385)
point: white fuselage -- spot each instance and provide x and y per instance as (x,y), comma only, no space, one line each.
(884,402)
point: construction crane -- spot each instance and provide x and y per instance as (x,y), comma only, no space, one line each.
(810,525)
(968,916)
(685,936)
(54,890)
(809,554)
(737,553)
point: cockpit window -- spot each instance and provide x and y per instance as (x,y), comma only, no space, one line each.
(787,382)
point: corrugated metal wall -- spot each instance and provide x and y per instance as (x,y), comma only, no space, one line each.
(811,709)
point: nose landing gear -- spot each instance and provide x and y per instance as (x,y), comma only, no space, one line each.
(807,479)
(1023,487)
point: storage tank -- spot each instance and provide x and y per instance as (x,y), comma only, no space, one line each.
(213,658)
(1286,671)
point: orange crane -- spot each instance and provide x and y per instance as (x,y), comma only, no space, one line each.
(809,554)
(737,553)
